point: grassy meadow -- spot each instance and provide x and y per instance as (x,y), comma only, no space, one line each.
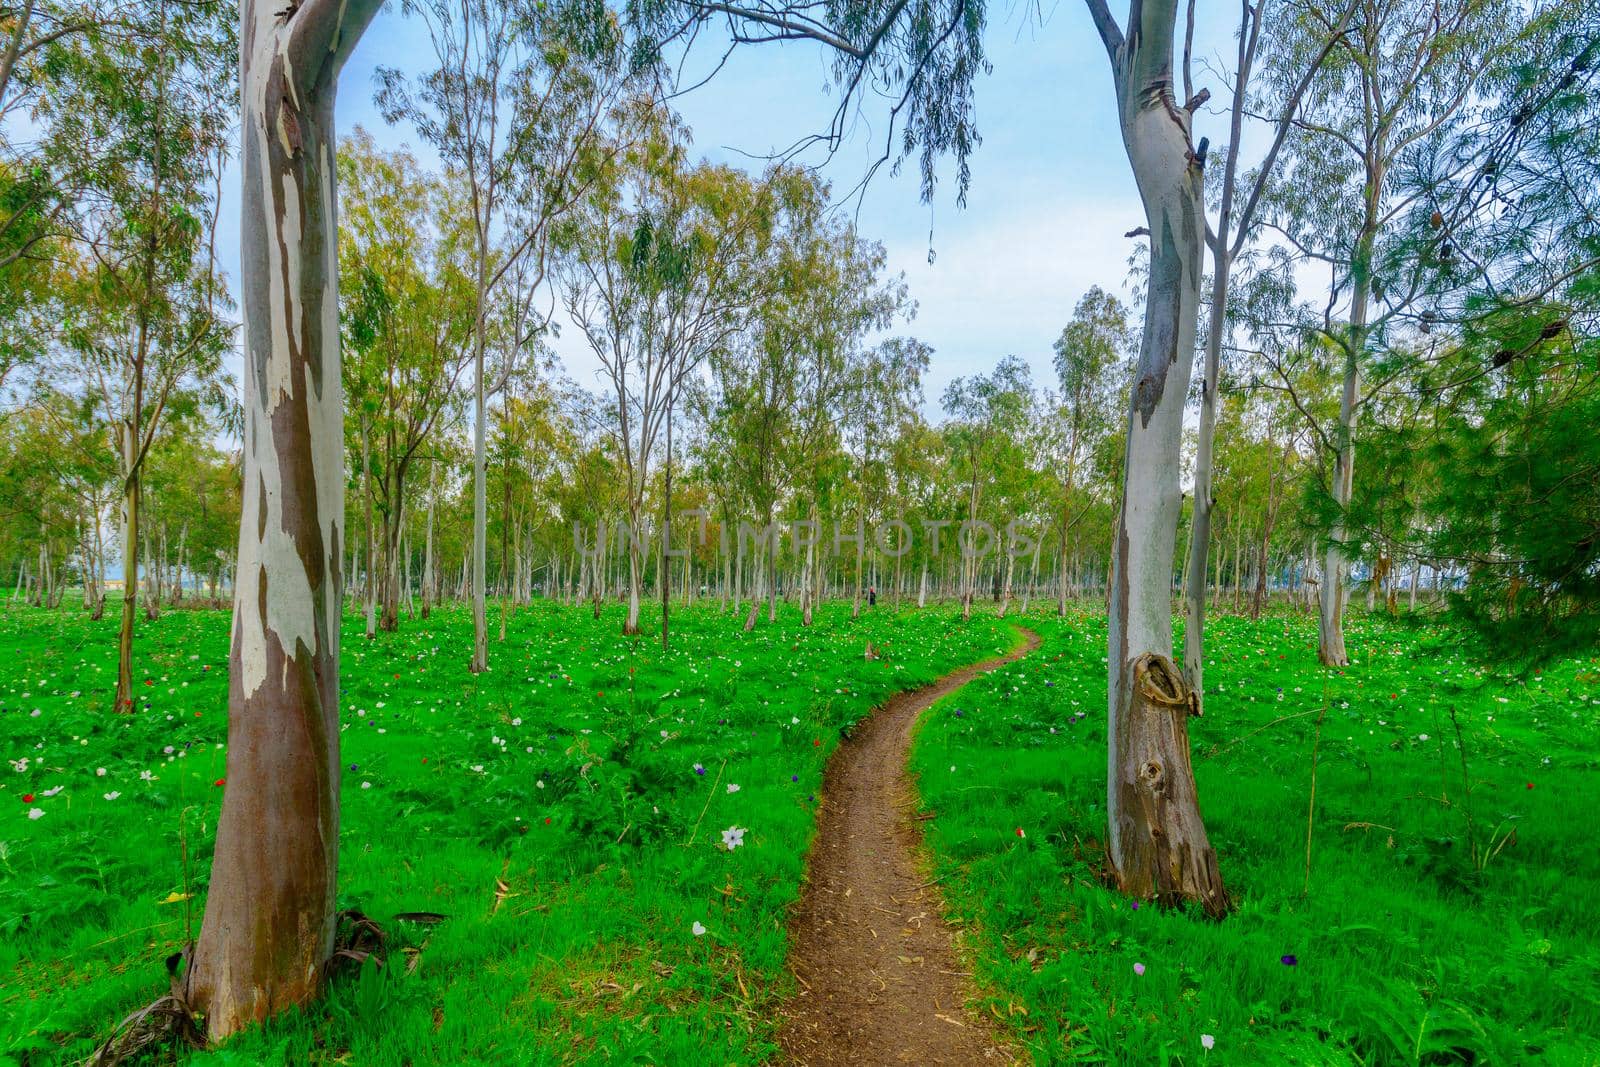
(570,813)
(1450,911)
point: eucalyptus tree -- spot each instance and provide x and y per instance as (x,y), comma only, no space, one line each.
(710,453)
(586,496)
(752,412)
(1091,363)
(913,454)
(28,297)
(987,415)
(802,326)
(520,449)
(830,296)
(1238,199)
(271,907)
(142,305)
(404,243)
(885,390)
(1397,78)
(738,404)
(192,507)
(777,395)
(516,106)
(667,264)
(593,498)
(1037,499)
(1018,494)
(1158,845)
(1385,506)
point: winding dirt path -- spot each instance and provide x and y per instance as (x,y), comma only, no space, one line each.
(879,979)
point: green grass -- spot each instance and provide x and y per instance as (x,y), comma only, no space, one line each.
(569,940)
(1405,950)
(573,854)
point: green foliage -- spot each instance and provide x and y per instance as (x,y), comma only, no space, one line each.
(923,56)
(1513,464)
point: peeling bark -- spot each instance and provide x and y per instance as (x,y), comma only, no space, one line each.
(1158,846)
(1164,853)
(130,577)
(269,918)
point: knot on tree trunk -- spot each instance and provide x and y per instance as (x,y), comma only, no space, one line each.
(1158,680)
(1153,776)
(1160,850)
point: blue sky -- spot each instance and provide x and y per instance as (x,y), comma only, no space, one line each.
(1051,193)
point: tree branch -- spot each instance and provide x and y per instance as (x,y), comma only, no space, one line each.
(1106,24)
(788,29)
(323,33)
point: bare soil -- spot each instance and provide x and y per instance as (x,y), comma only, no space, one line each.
(880,979)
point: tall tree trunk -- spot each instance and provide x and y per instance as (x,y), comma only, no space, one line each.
(861,536)
(1194,599)
(808,575)
(1033,576)
(1259,600)
(480,505)
(1330,623)
(269,919)
(406,549)
(99,568)
(130,571)
(427,551)
(757,578)
(507,570)
(155,565)
(1270,519)
(1157,843)
(969,555)
(393,526)
(630,625)
(45,569)
(1330,620)
(369,585)
(1061,569)
(1238,563)
(727,562)
(177,584)
(510,558)
(597,566)
(772,574)
(84,555)
(1005,583)
(666,537)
